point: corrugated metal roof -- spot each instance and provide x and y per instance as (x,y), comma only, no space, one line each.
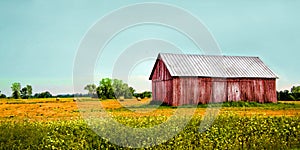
(216,66)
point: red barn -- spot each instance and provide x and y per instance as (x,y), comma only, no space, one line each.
(179,79)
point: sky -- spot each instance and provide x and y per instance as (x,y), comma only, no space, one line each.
(39,40)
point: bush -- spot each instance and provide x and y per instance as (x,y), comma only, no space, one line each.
(43,95)
(2,96)
(143,95)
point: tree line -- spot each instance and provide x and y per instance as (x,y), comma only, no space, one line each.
(107,89)
(113,88)
(143,94)
(19,92)
(293,94)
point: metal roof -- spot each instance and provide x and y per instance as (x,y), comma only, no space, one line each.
(216,66)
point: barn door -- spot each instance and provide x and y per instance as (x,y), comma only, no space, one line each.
(234,93)
(219,90)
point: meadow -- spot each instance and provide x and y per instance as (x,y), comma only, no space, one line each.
(58,124)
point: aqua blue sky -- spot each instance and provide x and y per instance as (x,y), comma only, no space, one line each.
(39,39)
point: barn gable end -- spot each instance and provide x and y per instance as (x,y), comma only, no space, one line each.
(162,84)
(160,71)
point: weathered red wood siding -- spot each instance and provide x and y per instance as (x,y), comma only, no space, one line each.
(162,85)
(189,90)
(193,90)
(219,90)
(252,90)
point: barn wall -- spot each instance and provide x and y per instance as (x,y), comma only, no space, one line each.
(190,90)
(162,84)
(162,91)
(219,90)
(252,90)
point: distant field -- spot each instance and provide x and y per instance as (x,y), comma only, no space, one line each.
(58,124)
(67,109)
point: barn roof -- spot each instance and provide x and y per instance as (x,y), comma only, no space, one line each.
(215,66)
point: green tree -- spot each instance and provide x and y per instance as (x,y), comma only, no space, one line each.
(105,90)
(29,90)
(131,91)
(283,95)
(295,89)
(114,88)
(122,89)
(92,89)
(295,92)
(147,94)
(118,88)
(24,93)
(16,87)
(143,95)
(126,91)
(43,95)
(2,95)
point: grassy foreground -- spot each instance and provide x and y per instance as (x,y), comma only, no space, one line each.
(52,124)
(227,132)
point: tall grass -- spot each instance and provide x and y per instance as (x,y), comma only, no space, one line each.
(227,132)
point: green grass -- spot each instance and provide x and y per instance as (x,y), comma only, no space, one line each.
(227,132)
(273,106)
